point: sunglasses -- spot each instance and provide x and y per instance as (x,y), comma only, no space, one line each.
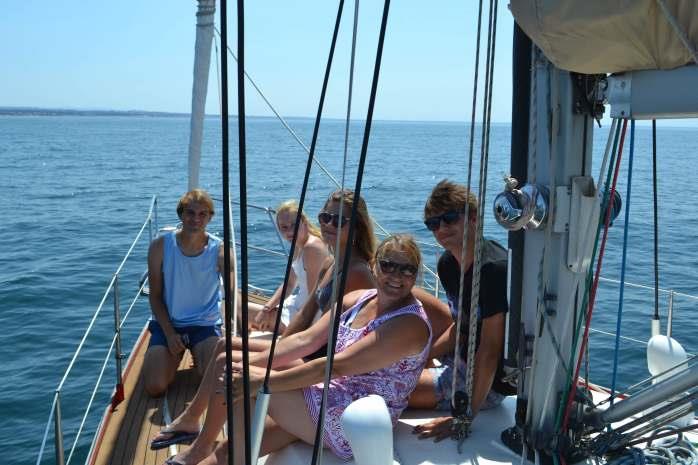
(334,218)
(390,267)
(450,217)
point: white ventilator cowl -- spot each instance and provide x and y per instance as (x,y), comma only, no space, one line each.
(664,353)
(367,426)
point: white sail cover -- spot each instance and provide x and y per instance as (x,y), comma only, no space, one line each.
(608,36)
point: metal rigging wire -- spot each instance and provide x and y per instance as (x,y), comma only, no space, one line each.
(244,275)
(301,202)
(230,292)
(357,194)
(331,337)
(656,222)
(624,255)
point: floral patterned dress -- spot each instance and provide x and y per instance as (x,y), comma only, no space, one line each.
(393,383)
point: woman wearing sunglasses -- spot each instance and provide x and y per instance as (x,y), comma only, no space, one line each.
(382,346)
(334,228)
(310,254)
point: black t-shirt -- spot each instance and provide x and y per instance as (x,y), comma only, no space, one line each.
(492,299)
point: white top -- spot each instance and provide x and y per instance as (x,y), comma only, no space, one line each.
(299,296)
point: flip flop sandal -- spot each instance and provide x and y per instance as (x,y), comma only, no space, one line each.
(175,437)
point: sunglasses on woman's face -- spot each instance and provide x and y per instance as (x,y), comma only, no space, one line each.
(334,218)
(433,223)
(390,267)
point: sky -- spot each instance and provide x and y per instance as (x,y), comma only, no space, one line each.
(138,55)
(131,55)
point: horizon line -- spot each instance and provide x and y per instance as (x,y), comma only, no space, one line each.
(54,111)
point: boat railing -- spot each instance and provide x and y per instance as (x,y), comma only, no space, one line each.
(671,296)
(55,417)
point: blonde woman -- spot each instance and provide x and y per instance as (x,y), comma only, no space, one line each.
(309,255)
(382,346)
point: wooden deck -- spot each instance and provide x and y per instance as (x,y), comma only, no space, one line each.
(126,431)
(124,435)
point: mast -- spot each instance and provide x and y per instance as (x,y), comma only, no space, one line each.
(547,262)
(202,62)
(559,154)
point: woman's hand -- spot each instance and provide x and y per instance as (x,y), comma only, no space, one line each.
(256,382)
(266,319)
(438,428)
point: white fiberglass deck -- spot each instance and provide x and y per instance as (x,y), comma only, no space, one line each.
(483,447)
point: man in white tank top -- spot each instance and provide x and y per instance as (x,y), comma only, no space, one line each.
(184,272)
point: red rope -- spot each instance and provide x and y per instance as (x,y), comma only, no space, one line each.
(592,292)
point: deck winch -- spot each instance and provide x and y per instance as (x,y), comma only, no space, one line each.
(521,208)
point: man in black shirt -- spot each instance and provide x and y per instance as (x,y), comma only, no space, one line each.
(444,216)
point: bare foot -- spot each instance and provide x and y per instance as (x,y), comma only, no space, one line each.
(191,456)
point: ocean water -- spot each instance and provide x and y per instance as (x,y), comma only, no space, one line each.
(77,190)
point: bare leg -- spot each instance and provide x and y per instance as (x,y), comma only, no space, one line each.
(159,368)
(215,416)
(423,395)
(208,400)
(203,352)
(287,422)
(188,420)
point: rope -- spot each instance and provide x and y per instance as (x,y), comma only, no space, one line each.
(623,264)
(589,278)
(466,213)
(669,451)
(611,140)
(484,158)
(592,297)
(317,446)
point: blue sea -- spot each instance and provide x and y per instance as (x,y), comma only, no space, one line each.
(78,188)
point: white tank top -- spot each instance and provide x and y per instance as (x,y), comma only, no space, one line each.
(301,279)
(295,301)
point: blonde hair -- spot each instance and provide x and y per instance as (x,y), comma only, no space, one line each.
(364,239)
(291,207)
(400,242)
(448,196)
(195,196)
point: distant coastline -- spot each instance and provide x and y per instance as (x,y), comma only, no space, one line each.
(35,111)
(686,124)
(38,111)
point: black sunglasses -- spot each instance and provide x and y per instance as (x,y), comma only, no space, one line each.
(450,217)
(335,218)
(390,267)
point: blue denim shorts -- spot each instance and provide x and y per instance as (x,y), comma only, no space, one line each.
(443,384)
(191,335)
